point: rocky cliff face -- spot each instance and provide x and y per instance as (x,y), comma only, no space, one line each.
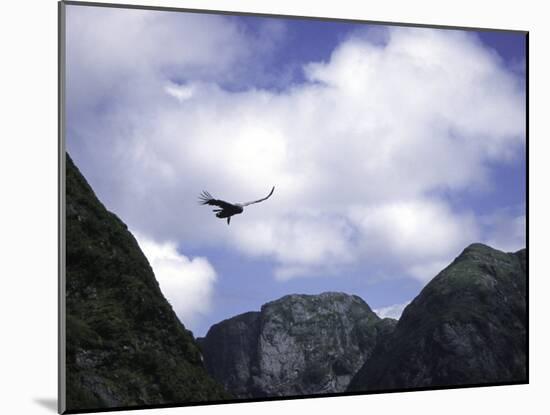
(467,326)
(125,345)
(299,344)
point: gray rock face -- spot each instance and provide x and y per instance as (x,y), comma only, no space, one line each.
(467,326)
(229,351)
(299,344)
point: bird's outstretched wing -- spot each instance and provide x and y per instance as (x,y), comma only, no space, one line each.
(206,199)
(260,200)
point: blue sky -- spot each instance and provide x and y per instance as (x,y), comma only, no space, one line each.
(391,150)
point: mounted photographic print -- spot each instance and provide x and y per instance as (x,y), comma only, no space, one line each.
(259,207)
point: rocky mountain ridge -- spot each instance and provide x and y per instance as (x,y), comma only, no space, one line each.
(125,346)
(296,345)
(467,326)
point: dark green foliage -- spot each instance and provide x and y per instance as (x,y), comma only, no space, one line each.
(125,345)
(467,326)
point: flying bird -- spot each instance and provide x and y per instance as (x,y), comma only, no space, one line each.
(227,209)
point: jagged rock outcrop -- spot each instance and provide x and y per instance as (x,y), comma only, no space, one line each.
(125,346)
(299,344)
(467,326)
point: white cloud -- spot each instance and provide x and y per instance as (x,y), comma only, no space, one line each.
(180,92)
(298,241)
(506,230)
(422,235)
(392,311)
(358,153)
(187,283)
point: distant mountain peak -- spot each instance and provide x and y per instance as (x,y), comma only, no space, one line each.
(297,344)
(467,326)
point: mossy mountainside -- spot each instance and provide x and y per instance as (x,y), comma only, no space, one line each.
(296,345)
(125,345)
(467,326)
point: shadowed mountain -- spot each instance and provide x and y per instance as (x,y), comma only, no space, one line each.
(299,344)
(125,345)
(467,326)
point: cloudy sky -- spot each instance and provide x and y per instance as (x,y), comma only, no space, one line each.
(390,148)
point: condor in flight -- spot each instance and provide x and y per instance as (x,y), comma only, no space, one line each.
(227,209)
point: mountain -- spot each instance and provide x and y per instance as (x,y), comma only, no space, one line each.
(296,345)
(467,326)
(125,346)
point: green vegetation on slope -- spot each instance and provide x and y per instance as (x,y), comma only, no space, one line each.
(125,345)
(467,326)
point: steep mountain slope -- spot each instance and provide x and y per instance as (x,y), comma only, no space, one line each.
(467,326)
(125,345)
(299,344)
